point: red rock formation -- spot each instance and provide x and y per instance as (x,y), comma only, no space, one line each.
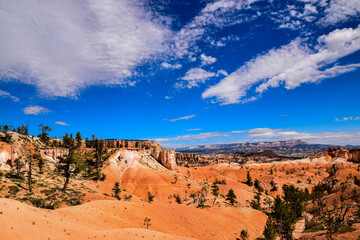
(339,152)
(354,155)
(165,156)
(184,158)
(320,154)
(130,144)
(54,153)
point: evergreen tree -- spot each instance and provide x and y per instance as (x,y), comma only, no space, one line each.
(256,202)
(87,143)
(78,139)
(270,229)
(244,235)
(116,189)
(6,128)
(40,162)
(30,159)
(257,185)
(18,166)
(150,197)
(44,135)
(231,197)
(99,151)
(147,222)
(248,179)
(8,138)
(215,192)
(66,163)
(177,199)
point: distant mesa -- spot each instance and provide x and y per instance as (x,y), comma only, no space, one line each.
(291,148)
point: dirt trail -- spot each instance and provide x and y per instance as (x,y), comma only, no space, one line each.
(300,226)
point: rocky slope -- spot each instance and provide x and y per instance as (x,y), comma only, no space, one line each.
(282,148)
(352,155)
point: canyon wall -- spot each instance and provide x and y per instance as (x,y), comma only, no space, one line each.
(352,155)
(130,144)
(54,153)
(186,158)
(7,155)
(165,156)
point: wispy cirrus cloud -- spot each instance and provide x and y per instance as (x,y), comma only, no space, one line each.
(193,129)
(345,119)
(35,110)
(340,11)
(214,16)
(6,94)
(192,137)
(207,60)
(180,118)
(290,65)
(261,135)
(171,66)
(194,77)
(62,123)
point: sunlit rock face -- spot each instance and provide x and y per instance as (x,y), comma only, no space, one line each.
(354,155)
(165,156)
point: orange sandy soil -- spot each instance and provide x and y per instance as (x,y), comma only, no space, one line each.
(112,219)
(321,235)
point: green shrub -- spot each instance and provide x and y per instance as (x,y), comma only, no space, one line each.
(13,190)
(314,226)
(74,201)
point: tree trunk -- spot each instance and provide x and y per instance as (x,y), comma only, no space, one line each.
(67,176)
(30,172)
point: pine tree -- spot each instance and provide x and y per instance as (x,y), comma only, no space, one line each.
(244,235)
(30,172)
(215,192)
(78,139)
(44,135)
(248,179)
(18,166)
(40,162)
(147,222)
(66,163)
(116,189)
(270,229)
(231,197)
(150,197)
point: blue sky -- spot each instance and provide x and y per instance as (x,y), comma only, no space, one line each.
(183,72)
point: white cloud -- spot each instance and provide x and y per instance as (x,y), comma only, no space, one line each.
(291,65)
(347,119)
(266,134)
(6,94)
(181,118)
(222,72)
(213,16)
(192,137)
(194,77)
(193,129)
(320,137)
(171,66)
(35,110)
(341,10)
(62,123)
(207,60)
(167,97)
(63,46)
